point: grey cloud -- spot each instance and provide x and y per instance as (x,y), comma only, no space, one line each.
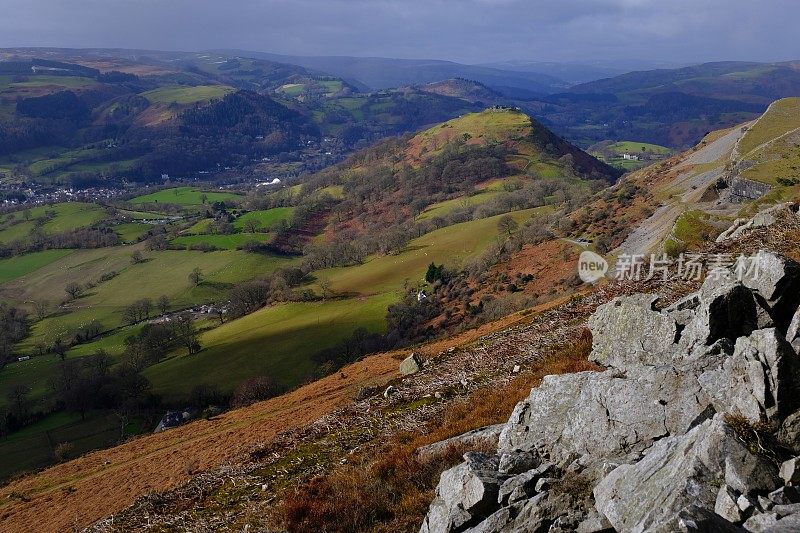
(463,30)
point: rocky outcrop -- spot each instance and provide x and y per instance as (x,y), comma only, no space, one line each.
(694,425)
(762,219)
(744,190)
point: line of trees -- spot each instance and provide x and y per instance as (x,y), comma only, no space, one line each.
(14,326)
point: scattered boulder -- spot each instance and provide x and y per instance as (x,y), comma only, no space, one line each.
(411,365)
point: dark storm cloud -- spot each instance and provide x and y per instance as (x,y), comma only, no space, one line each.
(463,30)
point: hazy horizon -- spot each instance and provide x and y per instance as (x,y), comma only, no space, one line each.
(642,32)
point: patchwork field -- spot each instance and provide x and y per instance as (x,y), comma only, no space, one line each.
(60,218)
(280,340)
(184,196)
(162,273)
(131,232)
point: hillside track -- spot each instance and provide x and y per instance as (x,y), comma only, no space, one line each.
(684,192)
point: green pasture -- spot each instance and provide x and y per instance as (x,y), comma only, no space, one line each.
(276,341)
(265,218)
(22,265)
(184,196)
(783,116)
(223,242)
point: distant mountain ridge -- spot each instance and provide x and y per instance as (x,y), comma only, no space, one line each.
(746,81)
(383,73)
(469,90)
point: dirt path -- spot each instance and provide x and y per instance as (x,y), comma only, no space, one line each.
(644,239)
(716,150)
(684,193)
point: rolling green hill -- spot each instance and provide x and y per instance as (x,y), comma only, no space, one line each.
(769,151)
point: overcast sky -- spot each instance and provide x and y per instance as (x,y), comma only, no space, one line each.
(471,31)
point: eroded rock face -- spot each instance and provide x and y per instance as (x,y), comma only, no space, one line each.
(676,473)
(726,310)
(759,381)
(667,437)
(466,494)
(605,415)
(628,330)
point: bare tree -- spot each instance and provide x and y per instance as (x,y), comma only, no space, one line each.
(137,257)
(41,308)
(196,276)
(507,225)
(59,348)
(325,287)
(255,389)
(186,332)
(18,398)
(163,304)
(251,225)
(73,289)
